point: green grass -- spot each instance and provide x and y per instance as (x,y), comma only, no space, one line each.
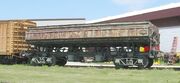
(56,74)
(177,64)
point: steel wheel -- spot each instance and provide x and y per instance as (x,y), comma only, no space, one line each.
(150,63)
(51,61)
(61,61)
(145,61)
(33,61)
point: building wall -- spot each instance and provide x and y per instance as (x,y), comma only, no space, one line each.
(166,38)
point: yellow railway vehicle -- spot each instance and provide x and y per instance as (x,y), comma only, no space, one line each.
(12,38)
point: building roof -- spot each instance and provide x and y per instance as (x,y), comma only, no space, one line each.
(166,11)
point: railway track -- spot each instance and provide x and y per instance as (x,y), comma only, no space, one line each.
(102,65)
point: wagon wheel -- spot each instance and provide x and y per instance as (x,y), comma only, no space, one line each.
(61,61)
(150,63)
(146,61)
(33,61)
(51,61)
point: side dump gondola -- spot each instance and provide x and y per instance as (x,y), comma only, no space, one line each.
(126,44)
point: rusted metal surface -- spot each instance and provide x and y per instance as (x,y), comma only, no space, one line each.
(111,30)
(12,36)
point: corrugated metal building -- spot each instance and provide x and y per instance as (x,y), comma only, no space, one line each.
(167,18)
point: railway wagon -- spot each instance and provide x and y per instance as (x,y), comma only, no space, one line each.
(126,44)
(12,38)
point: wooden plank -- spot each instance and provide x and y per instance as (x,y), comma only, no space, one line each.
(12,35)
(3,35)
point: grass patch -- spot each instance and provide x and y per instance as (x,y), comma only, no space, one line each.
(56,74)
(177,64)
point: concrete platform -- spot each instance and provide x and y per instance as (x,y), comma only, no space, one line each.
(111,65)
(80,64)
